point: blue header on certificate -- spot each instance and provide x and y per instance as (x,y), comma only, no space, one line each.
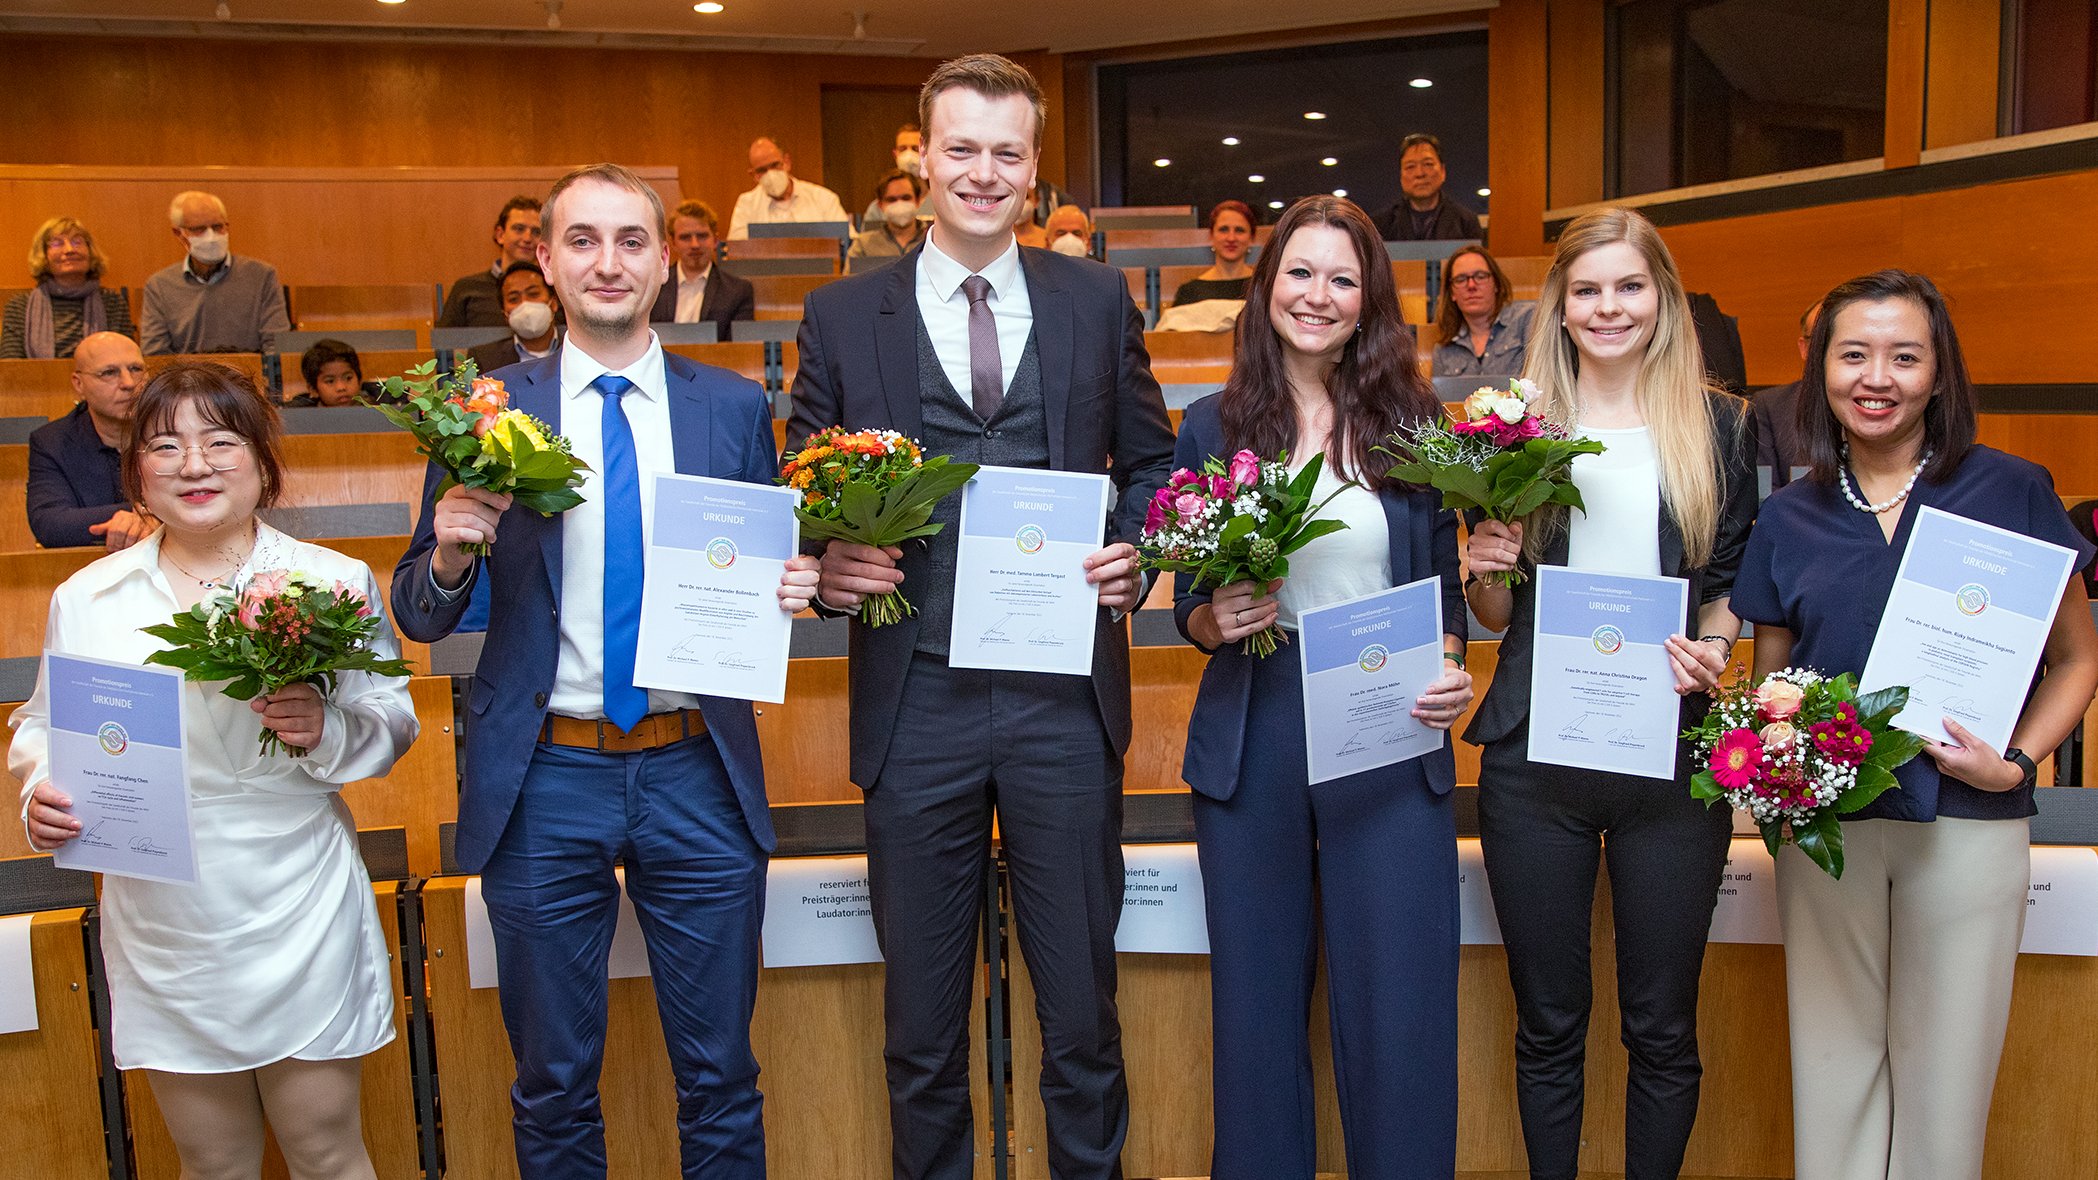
(703,514)
(119,705)
(1985,568)
(1035,506)
(1362,633)
(1583,603)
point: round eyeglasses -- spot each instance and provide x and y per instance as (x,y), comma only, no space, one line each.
(220,454)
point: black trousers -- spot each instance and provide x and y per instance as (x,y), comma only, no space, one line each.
(1543,830)
(1030,747)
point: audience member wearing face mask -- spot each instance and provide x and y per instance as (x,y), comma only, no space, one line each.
(531,309)
(1070,232)
(898,198)
(779,195)
(211,301)
(909,156)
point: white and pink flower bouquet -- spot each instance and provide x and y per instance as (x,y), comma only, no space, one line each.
(279,628)
(1235,522)
(1501,458)
(1796,752)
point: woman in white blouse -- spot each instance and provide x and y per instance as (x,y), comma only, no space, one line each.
(1672,494)
(249,997)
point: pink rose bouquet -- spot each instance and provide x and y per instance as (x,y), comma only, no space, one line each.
(1234,521)
(1500,458)
(280,628)
(1796,752)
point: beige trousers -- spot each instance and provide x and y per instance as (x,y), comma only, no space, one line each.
(1898,981)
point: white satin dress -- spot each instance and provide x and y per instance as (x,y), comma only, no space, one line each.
(276,952)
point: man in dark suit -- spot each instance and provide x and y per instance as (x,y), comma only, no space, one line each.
(1021,358)
(1426,215)
(532,309)
(1776,411)
(569,765)
(698,289)
(475,300)
(76,485)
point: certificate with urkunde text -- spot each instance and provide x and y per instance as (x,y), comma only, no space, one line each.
(710,617)
(1965,624)
(1365,662)
(1021,601)
(1602,689)
(117,752)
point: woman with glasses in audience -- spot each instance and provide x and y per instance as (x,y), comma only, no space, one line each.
(1230,240)
(1370,858)
(1483,332)
(900,231)
(69,302)
(1673,494)
(1898,974)
(249,997)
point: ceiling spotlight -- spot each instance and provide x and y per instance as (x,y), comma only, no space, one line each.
(1329,161)
(1485,192)
(1314,115)
(1340,192)
(1231,141)
(1256,178)
(1161,162)
(1421,83)
(1274,204)
(393,1)
(707,6)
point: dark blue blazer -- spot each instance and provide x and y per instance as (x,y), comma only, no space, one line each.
(74,481)
(721,426)
(1423,538)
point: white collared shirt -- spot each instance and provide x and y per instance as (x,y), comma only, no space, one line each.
(692,294)
(808,202)
(579,677)
(945,310)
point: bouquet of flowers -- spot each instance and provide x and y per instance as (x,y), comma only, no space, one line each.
(281,628)
(1501,458)
(875,487)
(1235,522)
(1798,750)
(464,424)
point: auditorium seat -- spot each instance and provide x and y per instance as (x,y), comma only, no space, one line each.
(779,297)
(51,1116)
(1121,217)
(821,249)
(324,308)
(745,359)
(1184,357)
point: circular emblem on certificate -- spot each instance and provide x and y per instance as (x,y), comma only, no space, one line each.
(113,738)
(721,553)
(1030,538)
(1973,598)
(1372,658)
(1608,640)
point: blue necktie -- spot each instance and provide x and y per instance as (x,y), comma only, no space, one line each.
(625,704)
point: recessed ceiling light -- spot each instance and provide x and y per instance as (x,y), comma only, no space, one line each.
(1231,141)
(1314,114)
(393,1)
(1329,161)
(707,6)
(1274,204)
(1161,162)
(1485,192)
(1256,178)
(1340,192)
(1421,83)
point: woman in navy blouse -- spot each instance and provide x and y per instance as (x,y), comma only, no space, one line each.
(1898,976)
(1371,858)
(1672,495)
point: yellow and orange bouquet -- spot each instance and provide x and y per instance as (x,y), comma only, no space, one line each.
(463,423)
(875,487)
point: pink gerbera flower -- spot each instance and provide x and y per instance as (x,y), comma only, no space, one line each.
(1736,759)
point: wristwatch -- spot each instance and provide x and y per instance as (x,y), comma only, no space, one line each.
(2017,756)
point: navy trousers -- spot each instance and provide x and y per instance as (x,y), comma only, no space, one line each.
(1370,860)
(697,880)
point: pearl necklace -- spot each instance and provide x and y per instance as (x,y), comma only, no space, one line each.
(1858,502)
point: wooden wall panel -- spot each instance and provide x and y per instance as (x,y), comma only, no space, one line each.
(1960,97)
(1576,175)
(1517,110)
(2017,259)
(1908,39)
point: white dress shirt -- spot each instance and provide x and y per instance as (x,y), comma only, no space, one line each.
(692,294)
(579,677)
(808,202)
(945,310)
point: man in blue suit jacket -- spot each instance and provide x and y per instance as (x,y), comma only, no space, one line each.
(569,766)
(1022,358)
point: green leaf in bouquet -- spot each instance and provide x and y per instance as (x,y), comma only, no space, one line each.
(1893,747)
(909,506)
(547,503)
(858,505)
(1411,471)
(1532,498)
(1704,786)
(1821,838)
(1458,481)
(1873,781)
(1237,529)
(1300,487)
(1773,833)
(1311,532)
(1878,707)
(1567,494)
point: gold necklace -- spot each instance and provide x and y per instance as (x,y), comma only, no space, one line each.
(213,582)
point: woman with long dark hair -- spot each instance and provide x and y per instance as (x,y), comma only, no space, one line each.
(1673,494)
(1370,859)
(1898,974)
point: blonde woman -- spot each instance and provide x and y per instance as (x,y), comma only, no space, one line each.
(1672,494)
(69,302)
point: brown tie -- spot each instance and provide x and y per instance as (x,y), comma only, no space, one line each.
(986,371)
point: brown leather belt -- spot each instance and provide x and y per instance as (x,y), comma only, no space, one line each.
(651,732)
